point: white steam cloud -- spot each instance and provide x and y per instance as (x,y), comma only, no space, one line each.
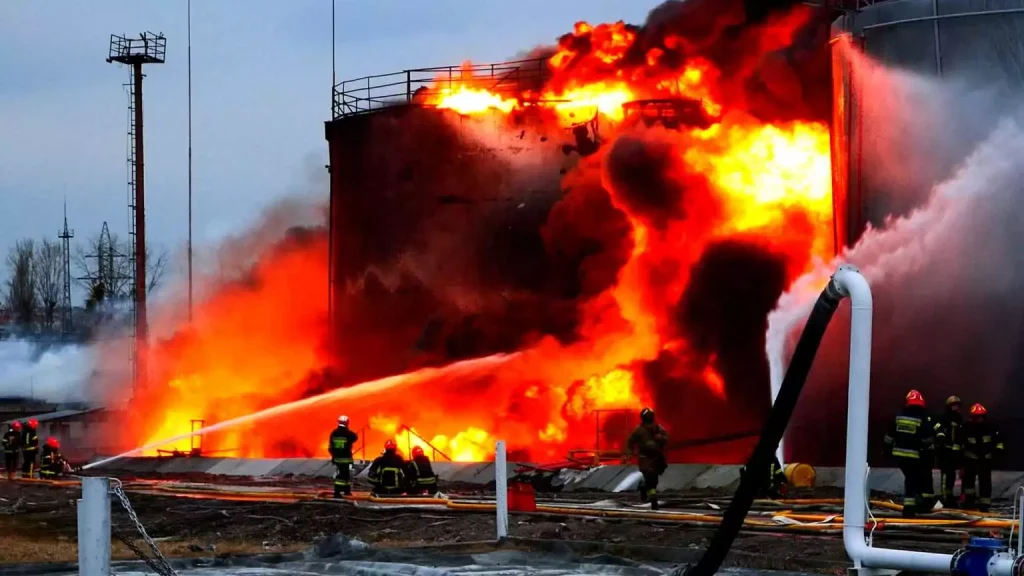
(56,374)
(947,276)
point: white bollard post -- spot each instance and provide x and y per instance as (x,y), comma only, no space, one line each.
(94,528)
(501,489)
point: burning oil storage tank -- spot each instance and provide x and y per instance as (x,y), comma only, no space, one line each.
(976,42)
(411,180)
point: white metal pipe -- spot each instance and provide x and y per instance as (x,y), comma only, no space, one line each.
(1020,521)
(94,528)
(849,283)
(501,489)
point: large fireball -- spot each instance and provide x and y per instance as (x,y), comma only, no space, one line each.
(682,215)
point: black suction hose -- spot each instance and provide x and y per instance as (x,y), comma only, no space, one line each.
(756,474)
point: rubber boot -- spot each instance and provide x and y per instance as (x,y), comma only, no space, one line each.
(643,494)
(654,503)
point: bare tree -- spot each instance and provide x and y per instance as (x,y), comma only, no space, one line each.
(49,278)
(105,260)
(21,293)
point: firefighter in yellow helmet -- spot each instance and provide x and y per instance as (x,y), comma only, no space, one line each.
(910,441)
(647,444)
(949,431)
(983,450)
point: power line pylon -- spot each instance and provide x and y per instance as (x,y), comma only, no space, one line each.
(147,48)
(65,236)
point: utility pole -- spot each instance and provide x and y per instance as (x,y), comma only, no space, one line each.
(147,48)
(189,160)
(65,236)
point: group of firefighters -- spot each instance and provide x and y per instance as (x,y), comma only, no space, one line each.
(21,442)
(971,447)
(390,474)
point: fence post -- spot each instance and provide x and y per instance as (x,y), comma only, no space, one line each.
(501,489)
(94,528)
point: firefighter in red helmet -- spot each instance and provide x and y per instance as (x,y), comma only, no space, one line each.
(910,441)
(29,448)
(12,447)
(420,473)
(983,450)
(387,473)
(51,463)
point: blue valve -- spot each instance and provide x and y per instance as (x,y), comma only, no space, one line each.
(973,560)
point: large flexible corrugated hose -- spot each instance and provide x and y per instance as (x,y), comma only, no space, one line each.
(771,434)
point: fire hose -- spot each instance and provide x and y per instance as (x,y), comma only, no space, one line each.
(771,433)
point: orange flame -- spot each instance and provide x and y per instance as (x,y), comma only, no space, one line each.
(259,344)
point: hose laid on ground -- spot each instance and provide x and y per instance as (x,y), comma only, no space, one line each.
(771,434)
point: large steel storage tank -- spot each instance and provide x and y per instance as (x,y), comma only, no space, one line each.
(980,43)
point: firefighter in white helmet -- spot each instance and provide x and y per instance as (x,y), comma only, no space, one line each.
(340,447)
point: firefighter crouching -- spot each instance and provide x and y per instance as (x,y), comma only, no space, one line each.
(387,472)
(949,448)
(772,485)
(29,448)
(647,444)
(340,448)
(911,441)
(51,462)
(420,474)
(983,449)
(11,443)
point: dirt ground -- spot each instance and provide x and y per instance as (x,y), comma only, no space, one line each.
(38,524)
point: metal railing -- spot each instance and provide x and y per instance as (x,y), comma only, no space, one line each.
(370,93)
(436,451)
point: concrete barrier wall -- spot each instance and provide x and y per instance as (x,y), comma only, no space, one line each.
(603,478)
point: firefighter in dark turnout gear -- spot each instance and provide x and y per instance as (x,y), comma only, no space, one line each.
(949,448)
(647,445)
(420,474)
(983,450)
(12,447)
(387,472)
(29,448)
(340,448)
(911,441)
(51,462)
(774,484)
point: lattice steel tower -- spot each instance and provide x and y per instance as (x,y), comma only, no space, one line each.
(65,236)
(147,48)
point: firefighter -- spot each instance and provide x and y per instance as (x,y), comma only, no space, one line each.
(340,447)
(420,474)
(647,445)
(29,448)
(911,441)
(12,446)
(51,463)
(983,449)
(387,472)
(775,485)
(949,448)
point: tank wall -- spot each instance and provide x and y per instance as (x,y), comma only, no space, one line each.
(978,42)
(984,53)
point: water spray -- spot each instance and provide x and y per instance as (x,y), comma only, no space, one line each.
(372,386)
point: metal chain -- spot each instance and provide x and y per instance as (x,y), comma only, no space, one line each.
(158,563)
(152,563)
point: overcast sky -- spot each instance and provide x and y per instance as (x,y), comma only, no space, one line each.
(261,75)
